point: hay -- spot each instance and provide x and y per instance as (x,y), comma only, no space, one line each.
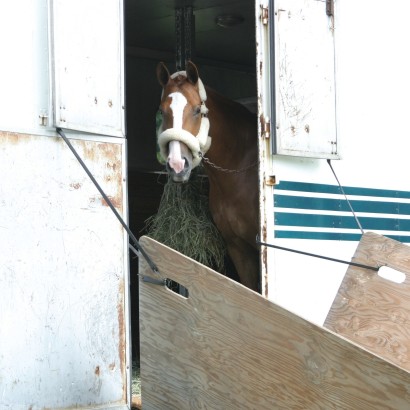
(184,223)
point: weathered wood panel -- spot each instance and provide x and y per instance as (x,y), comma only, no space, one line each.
(226,347)
(371,310)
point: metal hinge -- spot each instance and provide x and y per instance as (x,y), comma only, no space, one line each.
(265,16)
(265,127)
(330,8)
(43,118)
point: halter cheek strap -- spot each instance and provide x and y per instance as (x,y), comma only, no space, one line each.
(199,144)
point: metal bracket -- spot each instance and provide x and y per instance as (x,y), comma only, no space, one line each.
(330,8)
(265,16)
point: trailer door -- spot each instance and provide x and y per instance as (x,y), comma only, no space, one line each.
(297,96)
(88,65)
(64,339)
(302,62)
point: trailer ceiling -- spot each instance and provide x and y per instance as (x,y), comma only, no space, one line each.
(150,31)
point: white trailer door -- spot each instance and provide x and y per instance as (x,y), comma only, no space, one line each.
(88,65)
(64,340)
(296,90)
(303,78)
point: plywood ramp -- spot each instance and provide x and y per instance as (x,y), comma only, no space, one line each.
(371,310)
(226,347)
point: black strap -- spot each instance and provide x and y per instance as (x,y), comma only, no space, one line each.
(359,265)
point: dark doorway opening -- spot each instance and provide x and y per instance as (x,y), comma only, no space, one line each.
(225,54)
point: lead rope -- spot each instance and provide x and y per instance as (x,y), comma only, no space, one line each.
(138,248)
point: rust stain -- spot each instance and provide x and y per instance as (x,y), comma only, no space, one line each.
(13,138)
(116,201)
(109,154)
(111,366)
(97,371)
(10,138)
(121,336)
(111,165)
(76,185)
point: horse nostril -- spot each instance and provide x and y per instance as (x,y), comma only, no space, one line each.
(186,163)
(178,168)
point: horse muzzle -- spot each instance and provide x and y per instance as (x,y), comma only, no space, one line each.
(182,176)
(179,162)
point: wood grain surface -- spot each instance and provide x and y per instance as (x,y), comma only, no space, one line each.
(370,310)
(226,347)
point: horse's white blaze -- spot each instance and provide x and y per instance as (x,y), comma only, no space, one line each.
(177,106)
(175,159)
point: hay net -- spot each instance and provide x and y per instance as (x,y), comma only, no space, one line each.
(183,222)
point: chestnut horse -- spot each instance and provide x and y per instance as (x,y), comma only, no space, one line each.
(192,112)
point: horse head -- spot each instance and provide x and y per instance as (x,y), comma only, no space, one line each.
(183,135)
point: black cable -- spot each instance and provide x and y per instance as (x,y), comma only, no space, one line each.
(343,192)
(359,265)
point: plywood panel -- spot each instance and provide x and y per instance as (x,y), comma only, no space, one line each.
(226,347)
(371,310)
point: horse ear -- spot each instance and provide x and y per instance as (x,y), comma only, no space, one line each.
(162,74)
(192,72)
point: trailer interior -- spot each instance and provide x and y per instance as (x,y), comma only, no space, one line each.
(222,45)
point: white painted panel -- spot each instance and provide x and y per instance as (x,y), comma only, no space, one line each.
(88,65)
(305,116)
(63,275)
(24,70)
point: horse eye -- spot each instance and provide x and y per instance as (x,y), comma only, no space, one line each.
(197,110)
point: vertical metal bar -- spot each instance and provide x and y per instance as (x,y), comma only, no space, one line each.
(178,38)
(184,35)
(189,32)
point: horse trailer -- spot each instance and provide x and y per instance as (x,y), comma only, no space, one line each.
(327,81)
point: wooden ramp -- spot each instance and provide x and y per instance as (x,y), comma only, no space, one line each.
(371,310)
(226,347)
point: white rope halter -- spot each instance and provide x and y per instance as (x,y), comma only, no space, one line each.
(198,145)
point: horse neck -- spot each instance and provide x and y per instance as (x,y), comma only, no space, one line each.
(233,130)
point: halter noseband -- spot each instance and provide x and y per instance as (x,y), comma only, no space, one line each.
(198,145)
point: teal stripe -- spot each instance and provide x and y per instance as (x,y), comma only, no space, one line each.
(341,222)
(336,221)
(334,189)
(329,204)
(332,236)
